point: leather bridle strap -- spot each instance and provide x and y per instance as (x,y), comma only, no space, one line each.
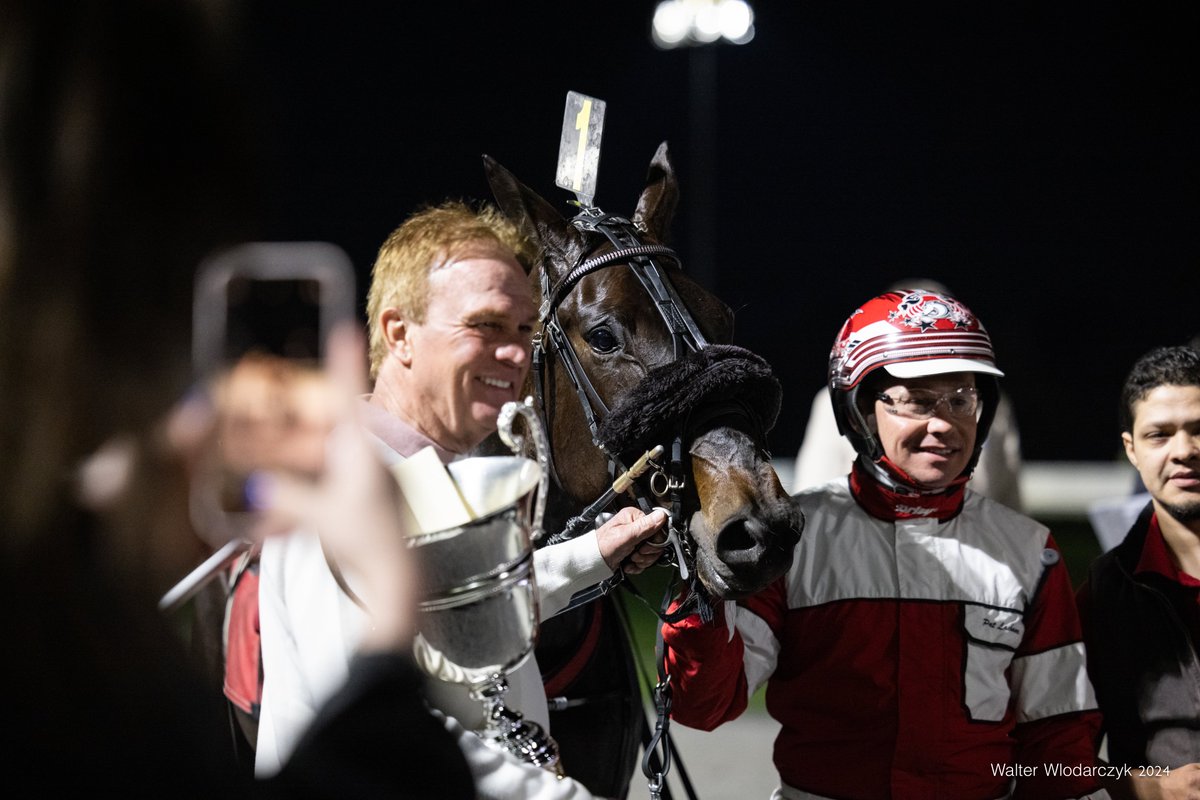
(622,234)
(555,296)
(685,333)
(628,248)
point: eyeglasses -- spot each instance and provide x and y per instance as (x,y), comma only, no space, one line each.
(923,403)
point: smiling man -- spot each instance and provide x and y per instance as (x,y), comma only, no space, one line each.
(448,351)
(924,642)
(1141,602)
(451,320)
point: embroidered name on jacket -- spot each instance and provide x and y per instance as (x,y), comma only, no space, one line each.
(913,511)
(1002,626)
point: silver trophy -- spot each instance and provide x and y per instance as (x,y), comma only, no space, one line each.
(479,618)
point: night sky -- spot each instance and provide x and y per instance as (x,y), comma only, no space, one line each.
(1037,158)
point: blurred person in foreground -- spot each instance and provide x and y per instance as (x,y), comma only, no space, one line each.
(1140,605)
(120,169)
(924,642)
(451,318)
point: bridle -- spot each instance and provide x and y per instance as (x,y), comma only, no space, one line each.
(669,480)
(704,386)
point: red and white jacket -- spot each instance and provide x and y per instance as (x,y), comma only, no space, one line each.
(919,647)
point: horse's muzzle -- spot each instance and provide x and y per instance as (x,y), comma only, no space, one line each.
(748,552)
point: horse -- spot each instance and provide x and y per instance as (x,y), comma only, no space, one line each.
(631,352)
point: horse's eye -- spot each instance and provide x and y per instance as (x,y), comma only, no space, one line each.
(602,340)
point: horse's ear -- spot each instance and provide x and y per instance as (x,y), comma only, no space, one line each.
(537,220)
(656,206)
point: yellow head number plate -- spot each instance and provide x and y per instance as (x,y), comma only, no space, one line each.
(579,147)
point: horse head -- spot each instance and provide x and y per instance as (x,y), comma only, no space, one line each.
(603,314)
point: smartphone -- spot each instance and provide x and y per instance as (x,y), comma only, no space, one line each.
(277,298)
(262,316)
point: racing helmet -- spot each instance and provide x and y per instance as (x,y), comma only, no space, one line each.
(909,333)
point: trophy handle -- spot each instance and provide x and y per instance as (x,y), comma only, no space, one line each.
(516,443)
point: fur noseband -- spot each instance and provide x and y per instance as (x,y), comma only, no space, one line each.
(671,393)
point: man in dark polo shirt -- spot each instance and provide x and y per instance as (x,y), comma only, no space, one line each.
(1141,603)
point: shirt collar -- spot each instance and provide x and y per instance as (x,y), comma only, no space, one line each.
(1156,557)
(396,433)
(883,503)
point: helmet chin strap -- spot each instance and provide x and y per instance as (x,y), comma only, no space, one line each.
(897,480)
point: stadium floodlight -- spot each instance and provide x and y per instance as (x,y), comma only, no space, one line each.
(684,23)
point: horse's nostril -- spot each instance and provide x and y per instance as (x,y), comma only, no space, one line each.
(736,537)
(740,536)
(753,544)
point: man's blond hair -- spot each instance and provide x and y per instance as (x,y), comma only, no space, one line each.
(429,239)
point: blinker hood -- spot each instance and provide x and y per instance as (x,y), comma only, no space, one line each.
(716,374)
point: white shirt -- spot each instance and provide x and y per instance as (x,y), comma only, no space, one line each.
(310,629)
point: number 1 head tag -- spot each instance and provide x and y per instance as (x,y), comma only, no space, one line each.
(579,147)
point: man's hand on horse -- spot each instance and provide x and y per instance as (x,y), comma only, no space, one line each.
(623,538)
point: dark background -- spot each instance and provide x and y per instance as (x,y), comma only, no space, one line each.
(1038,158)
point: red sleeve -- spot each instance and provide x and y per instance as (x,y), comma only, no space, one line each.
(1056,681)
(1053,621)
(707,665)
(708,683)
(1068,741)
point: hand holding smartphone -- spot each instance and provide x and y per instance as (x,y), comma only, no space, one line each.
(262,319)
(277,353)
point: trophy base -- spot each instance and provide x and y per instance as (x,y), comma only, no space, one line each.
(507,730)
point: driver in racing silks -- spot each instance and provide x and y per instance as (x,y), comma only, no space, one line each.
(924,642)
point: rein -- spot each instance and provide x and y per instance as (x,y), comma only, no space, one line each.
(643,260)
(669,481)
